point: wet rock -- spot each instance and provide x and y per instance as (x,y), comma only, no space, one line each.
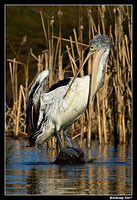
(64,158)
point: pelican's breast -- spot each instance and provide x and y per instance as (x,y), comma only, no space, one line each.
(78,102)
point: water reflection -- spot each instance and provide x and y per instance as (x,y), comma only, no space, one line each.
(32,172)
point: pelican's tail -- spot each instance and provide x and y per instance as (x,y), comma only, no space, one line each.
(32,138)
(39,138)
(44,134)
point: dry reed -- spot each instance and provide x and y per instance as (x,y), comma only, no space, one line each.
(113,111)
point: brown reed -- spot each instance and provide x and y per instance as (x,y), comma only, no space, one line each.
(112,112)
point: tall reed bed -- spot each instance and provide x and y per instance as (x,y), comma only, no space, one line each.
(109,113)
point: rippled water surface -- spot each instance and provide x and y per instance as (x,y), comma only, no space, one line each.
(31,171)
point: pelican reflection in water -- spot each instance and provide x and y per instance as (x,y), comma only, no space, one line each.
(66,101)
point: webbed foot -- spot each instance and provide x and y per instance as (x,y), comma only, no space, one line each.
(70,151)
(78,149)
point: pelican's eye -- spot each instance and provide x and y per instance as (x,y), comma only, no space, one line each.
(92,47)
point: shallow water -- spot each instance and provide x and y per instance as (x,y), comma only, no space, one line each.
(31,171)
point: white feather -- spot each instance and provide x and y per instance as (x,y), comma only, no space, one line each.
(61,113)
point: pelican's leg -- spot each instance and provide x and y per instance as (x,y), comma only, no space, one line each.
(69,143)
(69,151)
(66,138)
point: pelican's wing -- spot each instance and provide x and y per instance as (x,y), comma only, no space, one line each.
(36,85)
(55,97)
(53,102)
(33,102)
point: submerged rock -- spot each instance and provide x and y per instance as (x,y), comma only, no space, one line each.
(64,158)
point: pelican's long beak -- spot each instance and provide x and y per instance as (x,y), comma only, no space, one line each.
(96,82)
(95,85)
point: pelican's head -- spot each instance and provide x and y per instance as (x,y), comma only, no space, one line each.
(99,42)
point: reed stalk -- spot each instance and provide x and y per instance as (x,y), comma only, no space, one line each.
(114,100)
(98,119)
(104,115)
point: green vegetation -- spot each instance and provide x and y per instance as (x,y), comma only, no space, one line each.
(9,152)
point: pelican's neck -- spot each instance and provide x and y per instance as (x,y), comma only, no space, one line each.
(102,64)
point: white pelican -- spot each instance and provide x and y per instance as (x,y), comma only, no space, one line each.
(49,113)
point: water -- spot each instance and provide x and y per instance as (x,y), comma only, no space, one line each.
(31,171)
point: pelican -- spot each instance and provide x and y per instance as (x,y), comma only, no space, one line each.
(66,101)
